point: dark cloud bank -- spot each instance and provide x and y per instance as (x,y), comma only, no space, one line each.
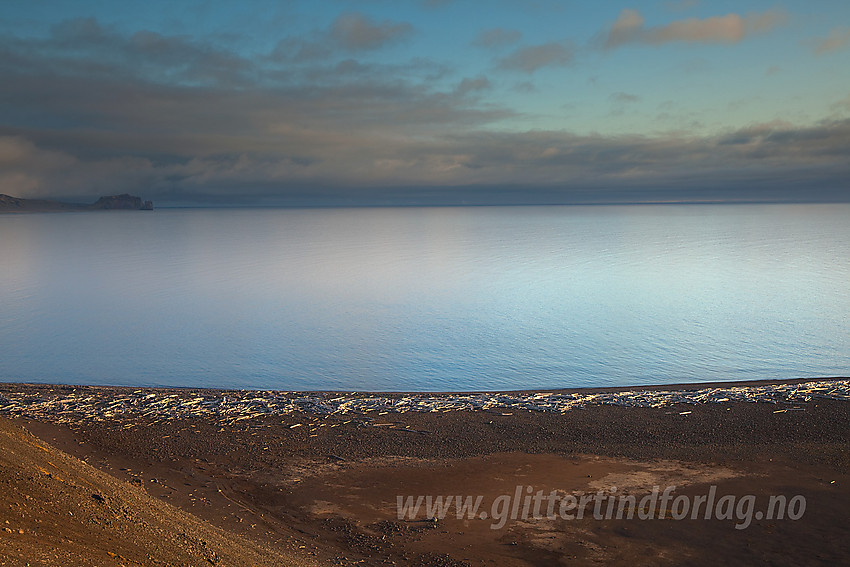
(88,111)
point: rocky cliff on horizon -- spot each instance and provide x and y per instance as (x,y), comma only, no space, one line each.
(126,202)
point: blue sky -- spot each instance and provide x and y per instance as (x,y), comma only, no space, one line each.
(274,101)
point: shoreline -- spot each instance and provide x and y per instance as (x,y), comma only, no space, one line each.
(568,390)
(66,404)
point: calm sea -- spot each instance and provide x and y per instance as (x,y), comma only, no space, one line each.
(426,298)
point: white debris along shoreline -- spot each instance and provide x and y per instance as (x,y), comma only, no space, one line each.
(69,404)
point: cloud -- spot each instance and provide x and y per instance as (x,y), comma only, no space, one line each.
(842,105)
(31,171)
(289,160)
(530,59)
(497,37)
(731,28)
(301,50)
(144,110)
(356,32)
(764,22)
(84,47)
(622,97)
(348,33)
(22,165)
(468,85)
(837,39)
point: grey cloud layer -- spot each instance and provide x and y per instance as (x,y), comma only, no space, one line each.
(288,158)
(88,111)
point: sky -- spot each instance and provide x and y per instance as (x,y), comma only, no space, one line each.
(425,101)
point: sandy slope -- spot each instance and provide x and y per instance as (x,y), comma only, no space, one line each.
(58,510)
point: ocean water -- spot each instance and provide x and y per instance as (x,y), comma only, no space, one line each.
(426,299)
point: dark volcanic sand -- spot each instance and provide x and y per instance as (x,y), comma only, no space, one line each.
(327,489)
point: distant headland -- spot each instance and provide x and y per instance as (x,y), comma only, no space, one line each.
(123,202)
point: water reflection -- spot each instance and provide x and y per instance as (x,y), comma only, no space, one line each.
(426,298)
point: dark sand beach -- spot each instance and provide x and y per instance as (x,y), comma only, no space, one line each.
(299,487)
